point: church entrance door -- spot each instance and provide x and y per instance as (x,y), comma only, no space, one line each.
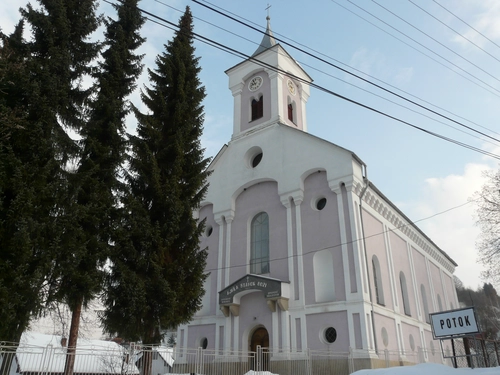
(259,346)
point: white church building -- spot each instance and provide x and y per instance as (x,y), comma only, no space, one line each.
(304,252)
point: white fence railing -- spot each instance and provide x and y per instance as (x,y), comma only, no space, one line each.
(137,360)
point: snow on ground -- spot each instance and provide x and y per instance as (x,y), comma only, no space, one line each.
(430,369)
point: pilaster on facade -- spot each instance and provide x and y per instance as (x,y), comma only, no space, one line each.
(431,285)
(276,94)
(390,266)
(297,199)
(286,201)
(445,290)
(219,219)
(414,281)
(229,217)
(337,189)
(236,90)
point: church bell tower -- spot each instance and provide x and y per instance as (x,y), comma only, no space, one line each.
(269,87)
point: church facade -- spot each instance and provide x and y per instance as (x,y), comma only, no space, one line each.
(304,252)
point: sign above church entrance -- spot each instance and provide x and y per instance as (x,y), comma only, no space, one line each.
(270,287)
(454,323)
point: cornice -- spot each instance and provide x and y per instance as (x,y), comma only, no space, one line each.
(379,205)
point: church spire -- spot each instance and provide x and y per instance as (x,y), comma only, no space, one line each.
(268,39)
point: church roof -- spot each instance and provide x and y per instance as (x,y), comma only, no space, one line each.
(268,39)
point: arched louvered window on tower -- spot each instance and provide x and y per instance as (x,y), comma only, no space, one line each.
(292,115)
(259,244)
(377,280)
(257,108)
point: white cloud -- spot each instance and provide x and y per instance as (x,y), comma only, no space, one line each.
(486,22)
(403,76)
(454,229)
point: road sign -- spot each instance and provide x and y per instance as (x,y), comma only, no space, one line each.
(454,323)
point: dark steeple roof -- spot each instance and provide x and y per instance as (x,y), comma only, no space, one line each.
(268,39)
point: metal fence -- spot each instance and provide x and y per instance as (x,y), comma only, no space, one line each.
(137,360)
(472,352)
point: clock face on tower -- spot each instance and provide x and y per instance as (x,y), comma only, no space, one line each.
(255,83)
(291,87)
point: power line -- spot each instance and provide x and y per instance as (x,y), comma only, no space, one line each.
(350,73)
(215,44)
(321,88)
(389,230)
(340,79)
(457,17)
(430,57)
(437,41)
(456,32)
(353,68)
(428,49)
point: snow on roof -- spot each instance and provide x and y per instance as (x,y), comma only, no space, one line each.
(167,354)
(40,352)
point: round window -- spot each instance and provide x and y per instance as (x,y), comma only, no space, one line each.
(412,343)
(330,335)
(385,337)
(253,157)
(256,160)
(320,204)
(204,343)
(209,230)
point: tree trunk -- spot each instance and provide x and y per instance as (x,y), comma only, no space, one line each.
(73,336)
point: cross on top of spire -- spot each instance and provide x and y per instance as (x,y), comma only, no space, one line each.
(268,11)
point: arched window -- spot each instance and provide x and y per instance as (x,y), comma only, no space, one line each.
(292,115)
(259,244)
(440,304)
(324,287)
(404,293)
(257,108)
(377,280)
(424,302)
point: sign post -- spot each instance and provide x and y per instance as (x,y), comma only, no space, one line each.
(454,324)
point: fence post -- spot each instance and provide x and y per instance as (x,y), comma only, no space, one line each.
(350,361)
(199,360)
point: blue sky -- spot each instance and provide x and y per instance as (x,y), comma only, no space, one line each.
(423,175)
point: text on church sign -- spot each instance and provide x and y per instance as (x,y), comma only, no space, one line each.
(270,287)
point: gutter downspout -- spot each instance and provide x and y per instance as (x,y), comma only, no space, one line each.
(367,183)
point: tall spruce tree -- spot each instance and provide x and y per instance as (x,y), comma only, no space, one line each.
(32,151)
(49,98)
(20,296)
(157,271)
(95,183)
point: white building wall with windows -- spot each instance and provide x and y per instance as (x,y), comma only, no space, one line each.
(303,250)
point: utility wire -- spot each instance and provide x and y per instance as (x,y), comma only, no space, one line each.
(172,26)
(456,32)
(353,68)
(437,41)
(340,79)
(353,241)
(477,31)
(427,48)
(321,88)
(350,73)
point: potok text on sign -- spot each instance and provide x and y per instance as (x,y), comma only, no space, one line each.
(454,323)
